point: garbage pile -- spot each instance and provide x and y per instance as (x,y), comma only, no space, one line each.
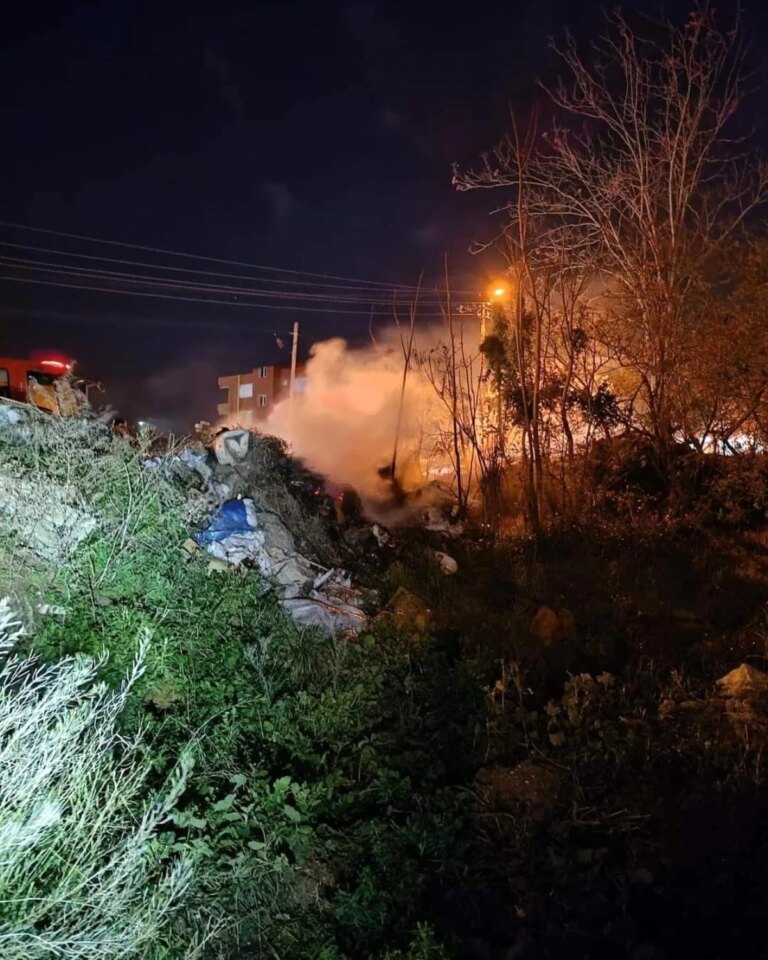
(240,493)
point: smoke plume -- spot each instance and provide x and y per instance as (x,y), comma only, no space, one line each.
(344,423)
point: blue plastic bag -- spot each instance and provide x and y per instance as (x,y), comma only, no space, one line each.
(233,516)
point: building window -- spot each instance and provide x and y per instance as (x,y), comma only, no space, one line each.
(263,372)
(246,391)
(262,399)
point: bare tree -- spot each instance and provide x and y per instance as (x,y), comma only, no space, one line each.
(642,180)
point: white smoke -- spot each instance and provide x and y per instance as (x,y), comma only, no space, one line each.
(344,424)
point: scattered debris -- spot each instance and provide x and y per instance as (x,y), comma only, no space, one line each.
(232,534)
(231,446)
(188,465)
(204,433)
(434,520)
(382,536)
(239,532)
(331,617)
(447,564)
(279,559)
(52,610)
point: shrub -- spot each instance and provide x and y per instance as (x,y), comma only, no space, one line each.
(80,874)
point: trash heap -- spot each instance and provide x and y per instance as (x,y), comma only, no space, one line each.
(241,495)
(247,503)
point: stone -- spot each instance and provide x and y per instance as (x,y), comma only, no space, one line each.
(550,626)
(407,612)
(744,683)
(447,564)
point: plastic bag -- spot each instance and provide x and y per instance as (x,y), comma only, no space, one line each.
(232,517)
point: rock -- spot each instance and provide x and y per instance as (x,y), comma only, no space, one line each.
(231,447)
(530,788)
(745,695)
(549,626)
(447,564)
(407,612)
(744,683)
(434,520)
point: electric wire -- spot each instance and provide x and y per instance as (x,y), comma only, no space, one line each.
(195,256)
(121,277)
(183,299)
(423,292)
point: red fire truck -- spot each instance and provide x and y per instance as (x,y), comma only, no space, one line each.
(33,381)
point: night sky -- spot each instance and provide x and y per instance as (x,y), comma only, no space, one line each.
(312,136)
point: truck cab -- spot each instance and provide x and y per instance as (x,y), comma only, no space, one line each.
(33,381)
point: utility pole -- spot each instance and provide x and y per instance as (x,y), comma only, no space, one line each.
(294,354)
(485,316)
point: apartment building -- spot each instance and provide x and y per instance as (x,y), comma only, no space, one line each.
(252,396)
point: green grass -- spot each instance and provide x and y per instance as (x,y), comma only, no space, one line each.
(333,810)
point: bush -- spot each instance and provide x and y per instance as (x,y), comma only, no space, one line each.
(80,871)
(323,769)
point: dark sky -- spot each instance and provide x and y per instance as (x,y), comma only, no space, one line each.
(315,136)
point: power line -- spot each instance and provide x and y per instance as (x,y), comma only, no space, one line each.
(196,256)
(207,273)
(164,296)
(94,273)
(123,321)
